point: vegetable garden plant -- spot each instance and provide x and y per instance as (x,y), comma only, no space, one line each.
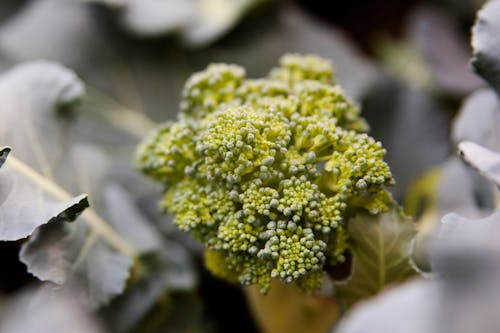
(279,185)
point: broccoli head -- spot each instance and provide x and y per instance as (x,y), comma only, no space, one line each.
(265,172)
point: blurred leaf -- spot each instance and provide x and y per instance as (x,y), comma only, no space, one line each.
(198,22)
(40,311)
(286,309)
(58,30)
(412,128)
(28,200)
(77,258)
(409,308)
(457,190)
(446,54)
(463,298)
(36,100)
(214,18)
(381,254)
(464,235)
(478,120)
(285,30)
(162,272)
(466,254)
(486,57)
(63,31)
(405,61)
(156,18)
(486,161)
(128,221)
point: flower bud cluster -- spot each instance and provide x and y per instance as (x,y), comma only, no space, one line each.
(264,171)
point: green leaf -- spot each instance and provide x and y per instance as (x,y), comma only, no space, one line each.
(486,57)
(381,254)
(485,161)
(28,200)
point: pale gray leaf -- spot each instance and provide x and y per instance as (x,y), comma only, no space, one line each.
(486,58)
(76,257)
(466,253)
(35,104)
(465,234)
(479,120)
(409,308)
(58,30)
(214,19)
(456,191)
(157,17)
(81,254)
(39,311)
(439,39)
(164,271)
(26,203)
(485,161)
(197,22)
(411,127)
(128,221)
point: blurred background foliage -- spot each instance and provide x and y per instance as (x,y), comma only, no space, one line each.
(405,62)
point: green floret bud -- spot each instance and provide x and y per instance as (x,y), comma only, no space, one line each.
(295,68)
(265,172)
(165,153)
(211,88)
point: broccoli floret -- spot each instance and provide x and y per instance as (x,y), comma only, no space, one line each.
(266,172)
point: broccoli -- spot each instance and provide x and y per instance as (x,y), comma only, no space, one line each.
(266,172)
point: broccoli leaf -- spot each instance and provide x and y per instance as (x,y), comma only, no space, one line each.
(197,22)
(463,298)
(36,100)
(478,120)
(381,254)
(36,310)
(486,161)
(90,253)
(405,309)
(163,271)
(36,104)
(27,200)
(69,27)
(413,120)
(486,58)
(32,97)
